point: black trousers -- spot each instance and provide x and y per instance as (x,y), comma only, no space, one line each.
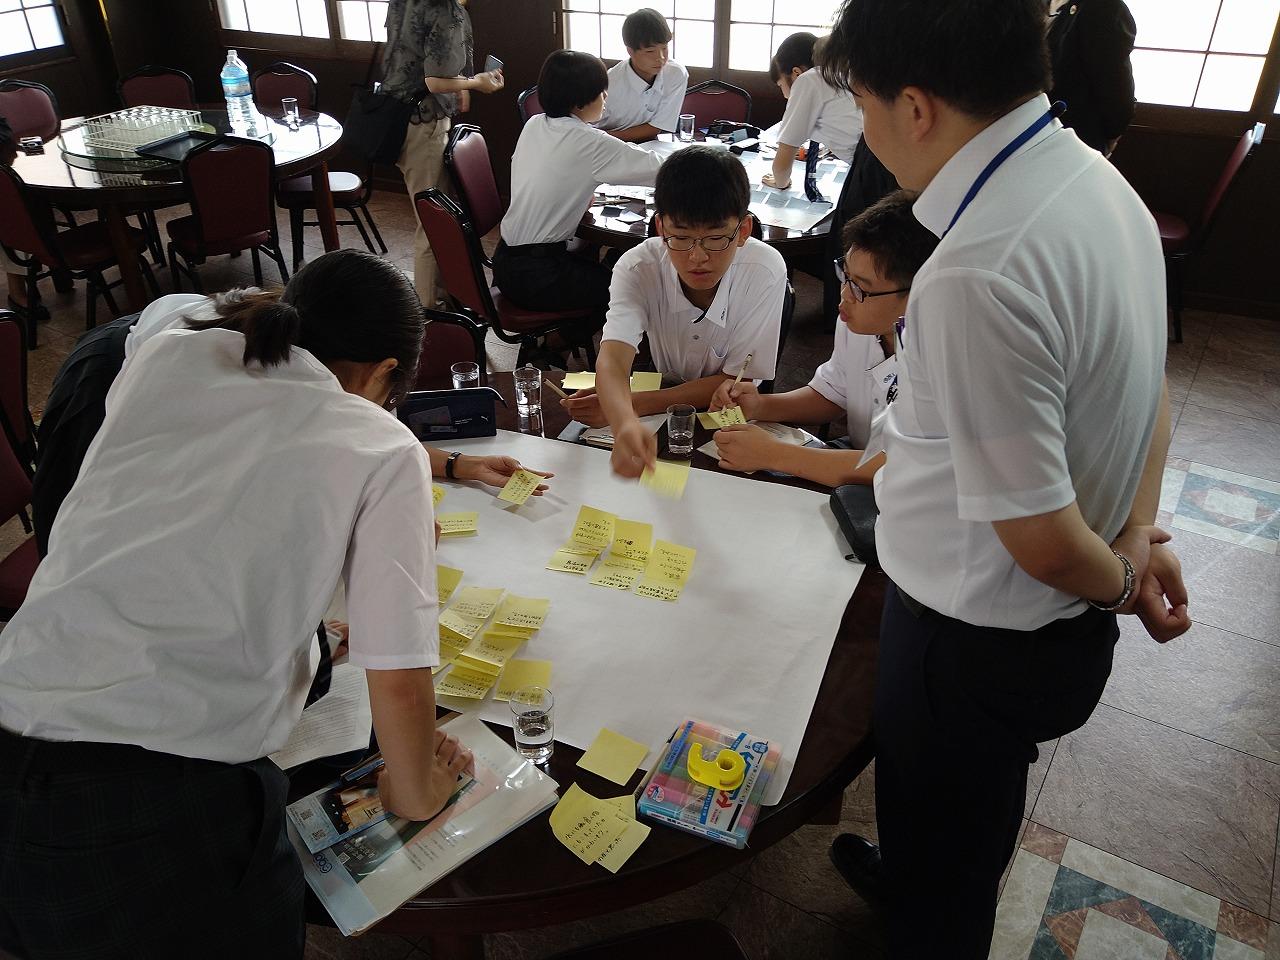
(959,710)
(546,276)
(111,851)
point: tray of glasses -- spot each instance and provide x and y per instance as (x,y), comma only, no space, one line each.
(126,130)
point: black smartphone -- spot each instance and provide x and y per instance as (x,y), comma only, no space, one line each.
(491,63)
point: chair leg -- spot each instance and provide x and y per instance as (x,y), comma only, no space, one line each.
(173,269)
(364,208)
(33,297)
(257,266)
(101,281)
(364,234)
(152,230)
(62,281)
(149,276)
(295,233)
(91,293)
(278,256)
(1175,298)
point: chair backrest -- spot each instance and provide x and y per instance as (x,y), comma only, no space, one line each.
(156,86)
(281,79)
(15,417)
(528,104)
(459,258)
(1235,163)
(231,187)
(15,485)
(450,338)
(25,227)
(784,328)
(716,100)
(31,109)
(466,156)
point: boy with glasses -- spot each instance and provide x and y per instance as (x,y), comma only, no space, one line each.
(706,294)
(885,247)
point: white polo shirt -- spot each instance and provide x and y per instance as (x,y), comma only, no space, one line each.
(216,511)
(1030,373)
(645,297)
(818,111)
(558,163)
(858,377)
(633,102)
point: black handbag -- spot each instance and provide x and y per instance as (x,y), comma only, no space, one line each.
(376,123)
(435,416)
(854,506)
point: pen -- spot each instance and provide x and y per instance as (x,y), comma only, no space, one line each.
(745,363)
(556,388)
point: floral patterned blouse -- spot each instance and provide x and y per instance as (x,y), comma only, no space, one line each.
(426,38)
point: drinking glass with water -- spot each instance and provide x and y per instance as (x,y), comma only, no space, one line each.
(680,420)
(528,380)
(465,375)
(531,722)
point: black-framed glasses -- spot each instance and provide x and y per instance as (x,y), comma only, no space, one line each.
(709,244)
(858,293)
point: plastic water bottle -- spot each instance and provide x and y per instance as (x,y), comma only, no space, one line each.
(235,87)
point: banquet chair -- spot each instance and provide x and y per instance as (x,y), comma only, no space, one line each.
(157,86)
(16,424)
(466,157)
(1182,240)
(716,100)
(449,338)
(29,238)
(230,182)
(31,109)
(282,79)
(19,565)
(460,262)
(528,104)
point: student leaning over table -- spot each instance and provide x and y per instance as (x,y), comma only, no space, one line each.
(1023,453)
(705,293)
(885,246)
(245,467)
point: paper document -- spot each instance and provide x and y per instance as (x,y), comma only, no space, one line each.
(603,436)
(338,722)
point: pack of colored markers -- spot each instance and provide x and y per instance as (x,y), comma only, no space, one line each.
(670,795)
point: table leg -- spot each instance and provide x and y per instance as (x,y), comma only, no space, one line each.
(465,946)
(126,257)
(324,206)
(829,812)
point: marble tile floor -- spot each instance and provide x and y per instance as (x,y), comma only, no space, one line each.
(1151,831)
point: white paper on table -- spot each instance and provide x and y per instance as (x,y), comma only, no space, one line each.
(338,722)
(603,436)
(779,431)
(746,644)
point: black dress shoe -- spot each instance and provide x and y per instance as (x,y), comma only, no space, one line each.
(858,861)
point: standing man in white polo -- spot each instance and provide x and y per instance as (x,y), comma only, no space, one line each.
(1024,451)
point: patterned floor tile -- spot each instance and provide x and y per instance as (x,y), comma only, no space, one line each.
(1021,907)
(1225,384)
(1227,506)
(1106,938)
(1228,440)
(1228,949)
(1231,587)
(1043,842)
(1240,924)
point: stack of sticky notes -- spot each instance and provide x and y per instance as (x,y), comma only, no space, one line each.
(627,555)
(661,569)
(447,580)
(479,635)
(520,487)
(592,534)
(715,419)
(640,382)
(463,524)
(598,831)
(667,571)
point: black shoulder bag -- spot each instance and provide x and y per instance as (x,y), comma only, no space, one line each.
(376,122)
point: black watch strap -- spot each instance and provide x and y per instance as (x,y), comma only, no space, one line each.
(449,464)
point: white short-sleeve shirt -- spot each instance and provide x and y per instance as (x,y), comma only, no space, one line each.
(1030,370)
(858,377)
(558,163)
(215,513)
(818,111)
(633,102)
(645,297)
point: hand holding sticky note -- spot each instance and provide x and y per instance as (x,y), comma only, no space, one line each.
(715,419)
(667,478)
(520,487)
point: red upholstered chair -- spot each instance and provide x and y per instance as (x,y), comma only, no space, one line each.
(31,109)
(528,104)
(450,338)
(716,100)
(155,86)
(460,262)
(19,566)
(16,424)
(230,185)
(28,236)
(1182,240)
(466,157)
(281,79)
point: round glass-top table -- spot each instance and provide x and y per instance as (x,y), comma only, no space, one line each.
(71,175)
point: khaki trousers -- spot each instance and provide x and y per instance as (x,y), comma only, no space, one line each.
(421,163)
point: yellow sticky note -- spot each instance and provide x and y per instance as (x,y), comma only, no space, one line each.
(631,539)
(461,682)
(715,419)
(477,602)
(585,825)
(670,561)
(462,524)
(667,479)
(465,627)
(451,645)
(437,494)
(619,852)
(447,580)
(579,381)
(626,804)
(506,630)
(618,573)
(528,612)
(520,487)
(463,662)
(495,651)
(440,666)
(613,756)
(593,529)
(643,382)
(568,562)
(522,673)
(659,590)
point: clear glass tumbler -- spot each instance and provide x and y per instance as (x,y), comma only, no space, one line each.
(680,420)
(289,106)
(465,375)
(531,709)
(528,380)
(686,127)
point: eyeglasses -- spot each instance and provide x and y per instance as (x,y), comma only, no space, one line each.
(858,293)
(709,244)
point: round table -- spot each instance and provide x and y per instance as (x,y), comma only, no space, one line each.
(527,879)
(117,187)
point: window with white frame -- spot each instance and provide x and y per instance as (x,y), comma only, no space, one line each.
(757,27)
(28,25)
(296,18)
(595,27)
(1201,53)
(363,20)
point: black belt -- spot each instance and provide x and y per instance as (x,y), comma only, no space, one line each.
(533,249)
(80,756)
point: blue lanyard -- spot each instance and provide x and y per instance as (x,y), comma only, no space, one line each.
(1010,149)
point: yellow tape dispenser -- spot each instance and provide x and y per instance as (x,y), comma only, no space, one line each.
(725,772)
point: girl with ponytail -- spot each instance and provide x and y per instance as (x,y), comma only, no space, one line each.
(246,466)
